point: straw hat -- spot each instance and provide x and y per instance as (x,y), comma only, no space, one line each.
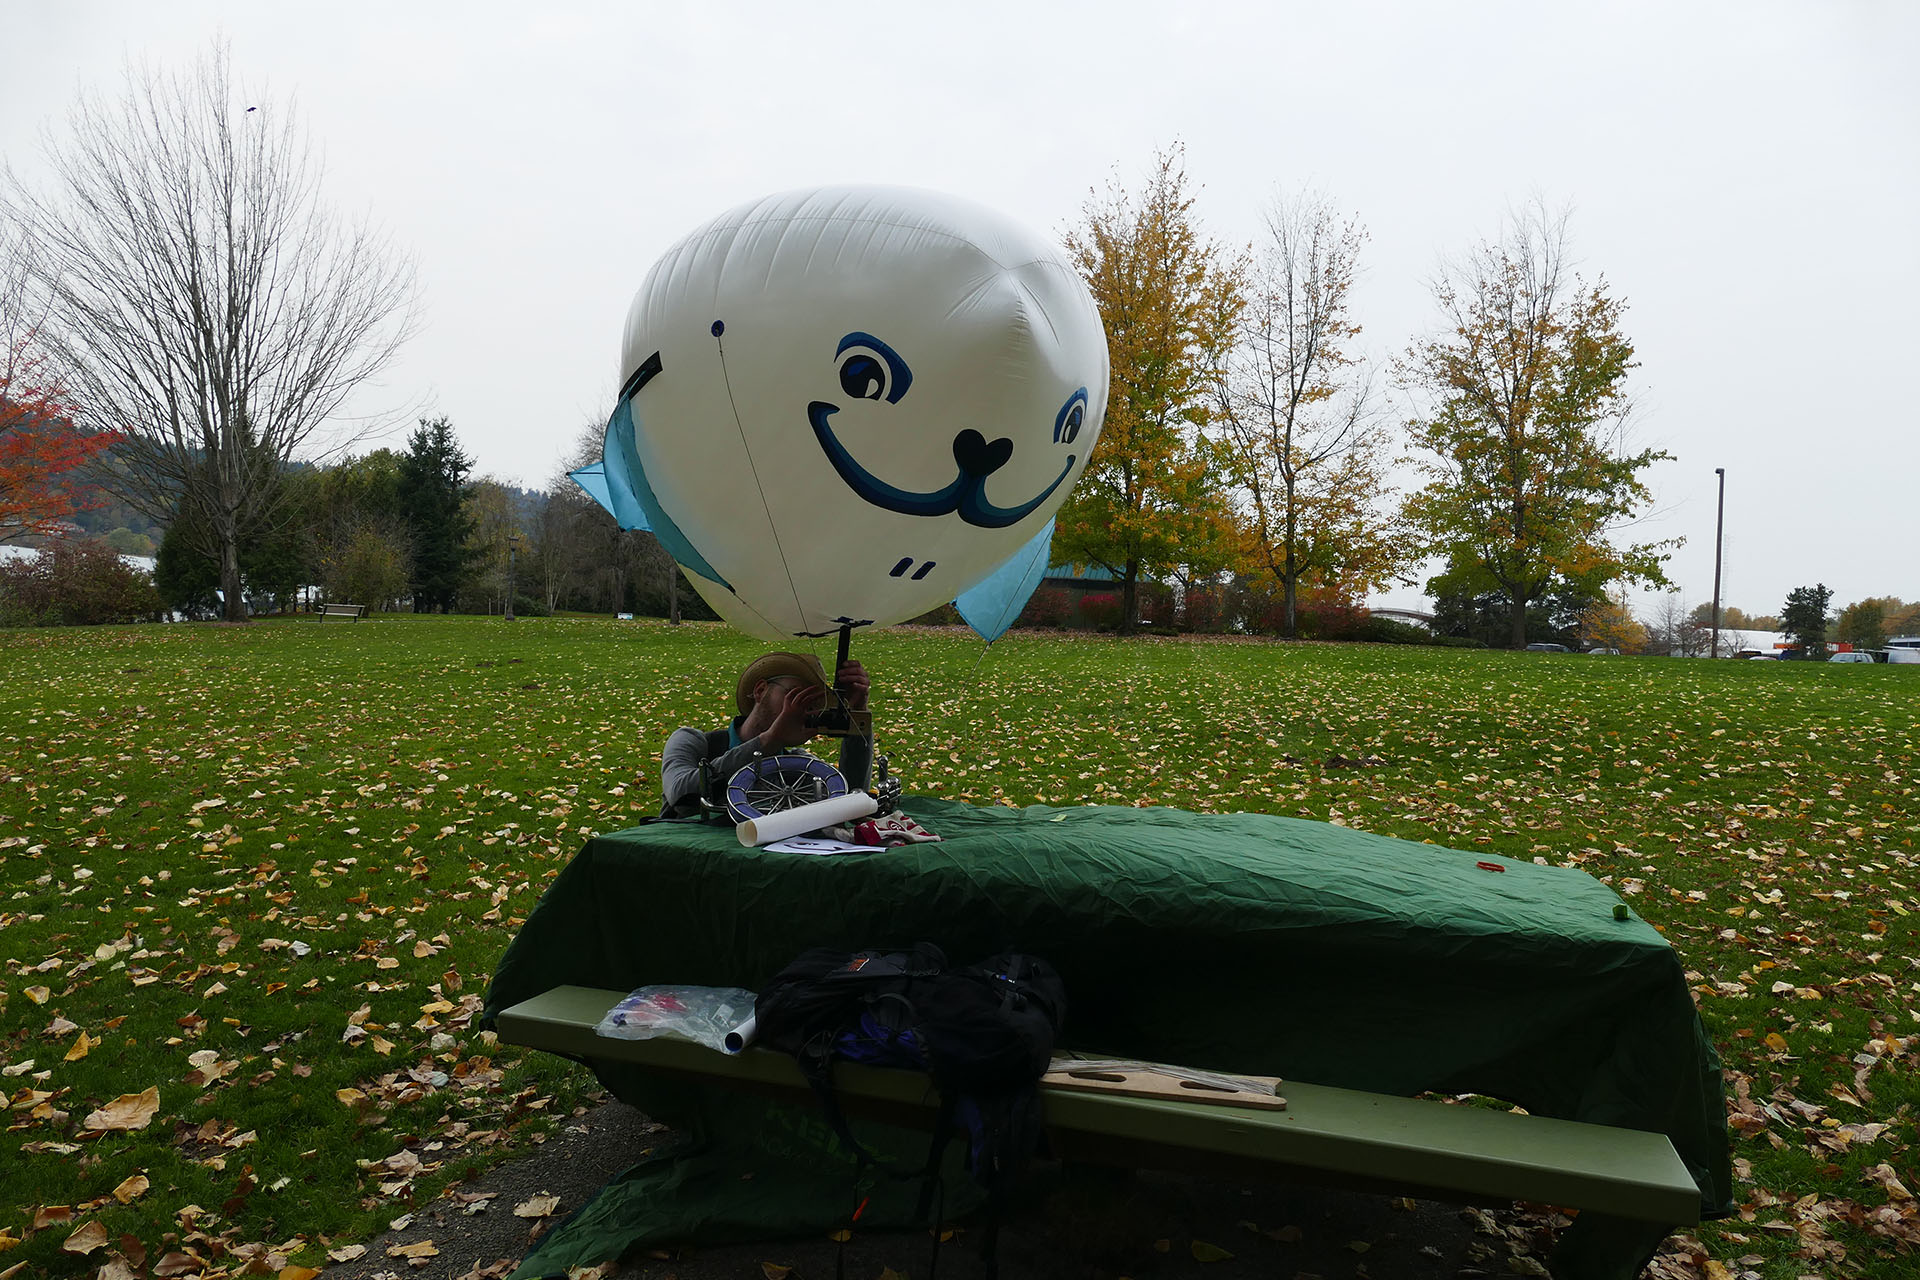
(803,667)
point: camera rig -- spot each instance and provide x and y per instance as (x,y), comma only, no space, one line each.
(790,779)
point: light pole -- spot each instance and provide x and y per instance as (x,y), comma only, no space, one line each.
(1719,522)
(513,544)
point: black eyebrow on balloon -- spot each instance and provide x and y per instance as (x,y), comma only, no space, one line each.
(640,377)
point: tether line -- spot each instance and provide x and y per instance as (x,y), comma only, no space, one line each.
(727,381)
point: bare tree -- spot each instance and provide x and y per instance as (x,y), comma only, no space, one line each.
(200,298)
(1296,410)
(19,320)
(1673,630)
(582,547)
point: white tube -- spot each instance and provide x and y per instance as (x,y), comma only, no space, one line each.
(741,1036)
(808,817)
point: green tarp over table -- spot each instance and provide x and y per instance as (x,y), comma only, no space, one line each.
(1237,942)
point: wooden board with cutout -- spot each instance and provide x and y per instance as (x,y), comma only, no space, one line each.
(1258,1092)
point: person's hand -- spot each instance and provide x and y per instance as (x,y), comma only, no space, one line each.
(789,728)
(852,683)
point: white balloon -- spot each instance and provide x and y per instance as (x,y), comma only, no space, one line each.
(847,405)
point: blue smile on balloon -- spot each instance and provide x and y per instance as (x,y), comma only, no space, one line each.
(871,370)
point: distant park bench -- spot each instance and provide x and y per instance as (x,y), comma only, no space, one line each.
(351,612)
(1328,1136)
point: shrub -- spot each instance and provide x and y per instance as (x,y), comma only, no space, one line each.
(1372,630)
(368,567)
(941,616)
(1324,616)
(1202,609)
(75,582)
(1156,604)
(1101,612)
(1047,607)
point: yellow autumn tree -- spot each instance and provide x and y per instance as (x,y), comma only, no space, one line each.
(1296,412)
(1523,429)
(1155,494)
(1608,623)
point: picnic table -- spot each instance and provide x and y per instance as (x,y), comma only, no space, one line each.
(1235,942)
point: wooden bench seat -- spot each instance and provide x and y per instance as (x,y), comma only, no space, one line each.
(1324,1136)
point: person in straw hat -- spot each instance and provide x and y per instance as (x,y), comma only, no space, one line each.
(774,695)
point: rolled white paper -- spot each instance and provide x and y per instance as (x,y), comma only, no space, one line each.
(808,817)
(741,1036)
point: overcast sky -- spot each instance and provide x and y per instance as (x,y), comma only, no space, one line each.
(1745,175)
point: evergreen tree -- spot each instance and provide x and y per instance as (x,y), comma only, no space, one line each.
(433,497)
(1804,619)
(187,578)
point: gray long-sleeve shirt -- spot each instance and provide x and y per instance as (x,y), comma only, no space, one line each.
(689,763)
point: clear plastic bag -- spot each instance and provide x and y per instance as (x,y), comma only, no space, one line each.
(703,1015)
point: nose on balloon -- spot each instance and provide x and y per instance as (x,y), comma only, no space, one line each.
(976,456)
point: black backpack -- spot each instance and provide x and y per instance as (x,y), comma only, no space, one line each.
(983,1032)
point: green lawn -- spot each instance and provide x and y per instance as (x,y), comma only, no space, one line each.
(264,872)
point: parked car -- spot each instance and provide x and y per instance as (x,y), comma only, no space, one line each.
(1548,648)
(1855,655)
(1611,653)
(1903,654)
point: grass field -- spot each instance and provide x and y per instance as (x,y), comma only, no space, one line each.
(253,880)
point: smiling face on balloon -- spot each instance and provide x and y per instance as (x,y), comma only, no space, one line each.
(849,405)
(871,370)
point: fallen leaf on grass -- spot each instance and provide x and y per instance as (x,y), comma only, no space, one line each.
(298,1273)
(126,1112)
(82,1046)
(1204,1252)
(347,1253)
(424,1249)
(86,1239)
(18,1069)
(176,1264)
(536,1207)
(1885,1176)
(8,1240)
(39,995)
(207,1067)
(52,1216)
(117,1268)
(132,1189)
(774,1271)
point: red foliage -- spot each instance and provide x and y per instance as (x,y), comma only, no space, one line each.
(1047,607)
(1204,610)
(1324,615)
(1101,611)
(74,582)
(40,449)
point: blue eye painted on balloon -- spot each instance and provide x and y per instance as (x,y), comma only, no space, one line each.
(1066,425)
(872,370)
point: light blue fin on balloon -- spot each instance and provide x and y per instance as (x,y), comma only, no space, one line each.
(594,480)
(991,605)
(619,483)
